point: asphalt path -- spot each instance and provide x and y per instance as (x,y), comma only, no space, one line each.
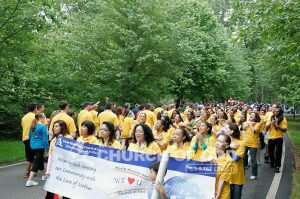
(12,183)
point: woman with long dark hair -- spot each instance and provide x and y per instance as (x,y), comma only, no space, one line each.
(108,136)
(143,140)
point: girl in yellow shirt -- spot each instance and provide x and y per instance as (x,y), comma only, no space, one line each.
(59,129)
(181,144)
(161,137)
(224,169)
(126,125)
(216,128)
(87,131)
(251,141)
(143,140)
(202,141)
(237,146)
(107,136)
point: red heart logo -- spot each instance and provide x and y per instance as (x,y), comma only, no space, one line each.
(130,180)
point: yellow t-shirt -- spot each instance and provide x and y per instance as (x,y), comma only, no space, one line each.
(90,139)
(209,142)
(237,117)
(67,119)
(216,130)
(252,139)
(26,124)
(277,133)
(107,116)
(224,171)
(238,175)
(164,137)
(183,152)
(115,144)
(153,148)
(94,114)
(83,116)
(127,126)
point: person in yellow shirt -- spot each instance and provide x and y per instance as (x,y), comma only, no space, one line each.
(161,137)
(84,115)
(237,146)
(177,120)
(224,167)
(251,140)
(26,124)
(181,144)
(143,140)
(150,116)
(63,105)
(277,125)
(59,129)
(190,123)
(107,116)
(236,114)
(216,128)
(203,140)
(108,136)
(87,131)
(127,125)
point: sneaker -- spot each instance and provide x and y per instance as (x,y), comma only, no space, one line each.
(277,170)
(258,162)
(44,177)
(253,177)
(31,183)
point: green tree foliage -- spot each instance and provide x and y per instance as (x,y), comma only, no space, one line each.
(145,51)
(270,29)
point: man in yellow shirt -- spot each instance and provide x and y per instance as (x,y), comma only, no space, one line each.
(107,116)
(150,115)
(63,105)
(276,125)
(85,115)
(26,125)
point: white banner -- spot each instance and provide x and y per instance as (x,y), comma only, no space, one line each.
(91,171)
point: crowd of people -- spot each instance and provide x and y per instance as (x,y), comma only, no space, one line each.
(231,135)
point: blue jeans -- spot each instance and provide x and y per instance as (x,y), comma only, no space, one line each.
(253,152)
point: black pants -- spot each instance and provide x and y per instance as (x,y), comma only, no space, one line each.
(236,191)
(28,151)
(38,162)
(262,141)
(275,151)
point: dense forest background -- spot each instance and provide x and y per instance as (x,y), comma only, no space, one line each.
(147,51)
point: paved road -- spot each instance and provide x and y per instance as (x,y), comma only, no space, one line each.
(12,183)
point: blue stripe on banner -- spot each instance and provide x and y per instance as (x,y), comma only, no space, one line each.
(192,167)
(134,158)
(106,153)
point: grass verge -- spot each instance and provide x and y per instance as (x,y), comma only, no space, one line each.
(294,133)
(11,151)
